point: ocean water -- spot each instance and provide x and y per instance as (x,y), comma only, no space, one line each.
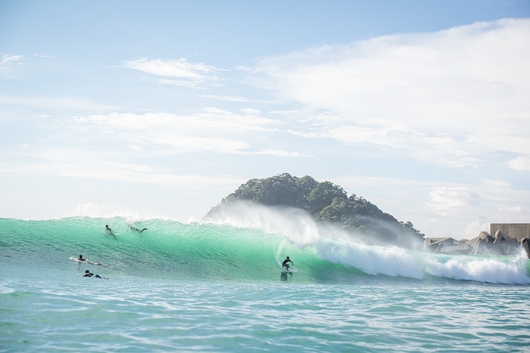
(218,287)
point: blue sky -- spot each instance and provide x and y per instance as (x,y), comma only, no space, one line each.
(162,108)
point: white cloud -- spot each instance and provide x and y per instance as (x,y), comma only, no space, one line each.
(9,58)
(507,209)
(90,164)
(227,98)
(213,129)
(179,83)
(444,209)
(473,229)
(237,99)
(45,56)
(135,147)
(185,143)
(442,149)
(209,121)
(520,164)
(250,111)
(446,198)
(181,68)
(447,97)
(55,103)
(305,134)
(274,152)
(90,209)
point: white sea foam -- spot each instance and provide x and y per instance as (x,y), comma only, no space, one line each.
(292,223)
(331,243)
(374,260)
(336,246)
(491,270)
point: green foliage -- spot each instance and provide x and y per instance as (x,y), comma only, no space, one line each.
(329,203)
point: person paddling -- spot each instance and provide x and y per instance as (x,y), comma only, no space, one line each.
(90,274)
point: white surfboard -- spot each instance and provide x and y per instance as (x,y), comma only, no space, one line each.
(85,261)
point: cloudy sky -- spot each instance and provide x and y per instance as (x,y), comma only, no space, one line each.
(162,108)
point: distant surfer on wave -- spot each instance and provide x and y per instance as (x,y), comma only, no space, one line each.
(108,230)
(285,263)
(136,229)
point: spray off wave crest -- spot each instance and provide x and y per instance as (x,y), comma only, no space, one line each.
(242,242)
(335,246)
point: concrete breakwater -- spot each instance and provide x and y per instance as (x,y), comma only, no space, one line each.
(507,239)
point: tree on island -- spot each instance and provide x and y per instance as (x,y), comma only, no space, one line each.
(329,203)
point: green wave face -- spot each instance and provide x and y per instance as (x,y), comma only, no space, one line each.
(232,252)
(166,249)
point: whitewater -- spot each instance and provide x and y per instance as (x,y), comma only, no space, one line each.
(218,286)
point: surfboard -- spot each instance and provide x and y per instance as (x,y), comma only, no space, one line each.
(95,276)
(86,261)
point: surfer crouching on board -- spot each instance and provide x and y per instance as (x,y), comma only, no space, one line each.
(285,263)
(108,230)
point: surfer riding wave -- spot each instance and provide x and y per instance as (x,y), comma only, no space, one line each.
(285,263)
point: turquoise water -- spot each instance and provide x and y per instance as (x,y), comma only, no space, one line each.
(218,287)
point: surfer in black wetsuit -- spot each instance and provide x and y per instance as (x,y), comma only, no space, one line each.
(285,263)
(90,274)
(108,230)
(80,258)
(136,229)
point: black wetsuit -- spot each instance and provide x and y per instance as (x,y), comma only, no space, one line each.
(90,274)
(285,263)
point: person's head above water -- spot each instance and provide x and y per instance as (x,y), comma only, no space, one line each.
(87,271)
(80,257)
(287,256)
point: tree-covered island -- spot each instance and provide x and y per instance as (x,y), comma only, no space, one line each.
(328,203)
